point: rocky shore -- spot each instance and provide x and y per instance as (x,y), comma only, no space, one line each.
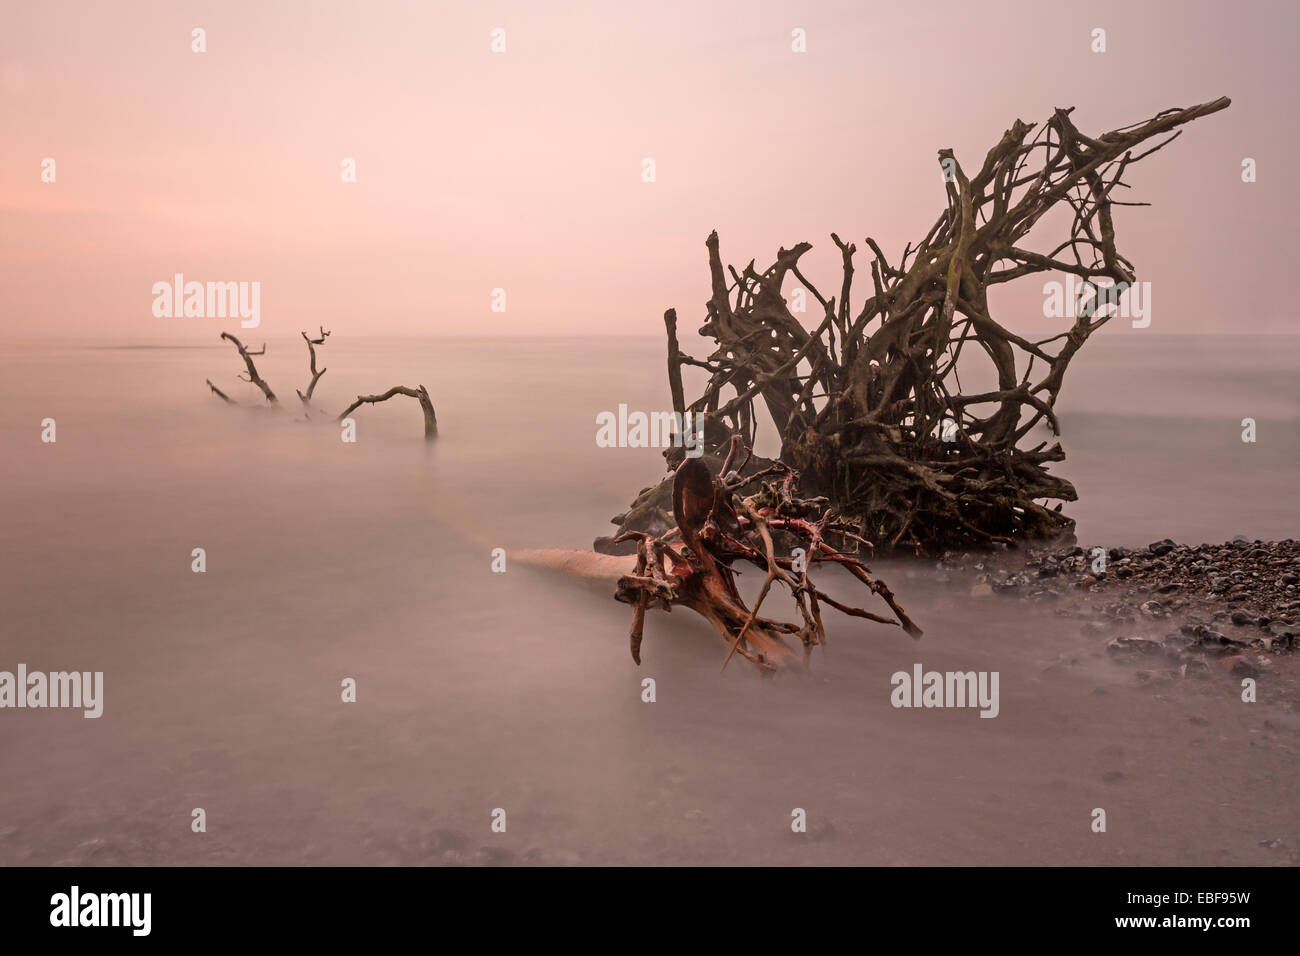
(1184,607)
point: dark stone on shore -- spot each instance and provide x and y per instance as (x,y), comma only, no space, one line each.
(1135,647)
(1152,609)
(1244,668)
(1163,547)
(1202,590)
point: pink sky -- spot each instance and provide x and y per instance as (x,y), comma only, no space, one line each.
(522,170)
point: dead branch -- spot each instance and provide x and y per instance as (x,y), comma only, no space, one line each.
(220,394)
(420,393)
(315,375)
(717,527)
(870,407)
(674,363)
(253,377)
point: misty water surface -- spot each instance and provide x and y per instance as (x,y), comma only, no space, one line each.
(476,690)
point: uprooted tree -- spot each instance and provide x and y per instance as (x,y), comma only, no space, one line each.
(740,514)
(718,527)
(869,406)
(419,393)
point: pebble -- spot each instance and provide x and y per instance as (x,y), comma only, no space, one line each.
(1249,587)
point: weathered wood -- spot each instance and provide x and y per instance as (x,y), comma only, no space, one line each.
(419,393)
(220,394)
(315,375)
(674,364)
(692,564)
(253,377)
(882,427)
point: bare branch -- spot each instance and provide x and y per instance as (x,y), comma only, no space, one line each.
(719,528)
(253,377)
(220,394)
(419,393)
(315,375)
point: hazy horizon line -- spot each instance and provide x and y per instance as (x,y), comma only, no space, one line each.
(252,335)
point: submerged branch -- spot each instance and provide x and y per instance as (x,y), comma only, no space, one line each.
(420,393)
(315,375)
(253,377)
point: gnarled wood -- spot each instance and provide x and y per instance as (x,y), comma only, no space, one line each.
(691,565)
(420,393)
(253,377)
(870,407)
(315,375)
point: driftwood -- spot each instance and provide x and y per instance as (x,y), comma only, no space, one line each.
(253,377)
(315,375)
(722,520)
(220,394)
(419,392)
(869,406)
